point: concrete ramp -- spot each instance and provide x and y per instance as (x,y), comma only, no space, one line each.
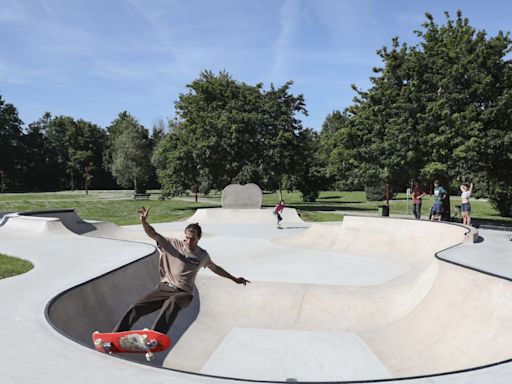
(68,217)
(220,215)
(67,220)
(29,226)
(381,236)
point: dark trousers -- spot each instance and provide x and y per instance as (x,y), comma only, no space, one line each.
(416,210)
(169,299)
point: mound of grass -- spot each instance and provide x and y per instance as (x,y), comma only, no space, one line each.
(12,266)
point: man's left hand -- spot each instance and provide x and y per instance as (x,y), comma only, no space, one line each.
(241,280)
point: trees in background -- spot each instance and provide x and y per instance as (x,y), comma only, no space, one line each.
(129,152)
(77,148)
(11,133)
(227,131)
(439,109)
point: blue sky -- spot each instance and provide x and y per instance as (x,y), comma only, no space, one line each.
(92,59)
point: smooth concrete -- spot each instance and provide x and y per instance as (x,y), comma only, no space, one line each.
(406,313)
(247,196)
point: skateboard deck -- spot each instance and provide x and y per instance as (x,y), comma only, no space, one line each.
(134,341)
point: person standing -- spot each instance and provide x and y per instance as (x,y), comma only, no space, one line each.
(466,190)
(439,196)
(417,194)
(180,261)
(278,209)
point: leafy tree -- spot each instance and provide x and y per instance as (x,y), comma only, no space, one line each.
(78,148)
(333,123)
(130,153)
(310,177)
(227,131)
(39,161)
(440,109)
(282,135)
(11,133)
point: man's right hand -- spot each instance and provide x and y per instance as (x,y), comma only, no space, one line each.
(143,214)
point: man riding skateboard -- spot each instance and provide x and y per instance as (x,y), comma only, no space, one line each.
(180,261)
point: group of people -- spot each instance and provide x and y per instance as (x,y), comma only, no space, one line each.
(440,199)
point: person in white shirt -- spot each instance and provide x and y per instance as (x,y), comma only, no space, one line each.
(466,190)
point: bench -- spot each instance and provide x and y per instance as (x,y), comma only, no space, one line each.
(141,196)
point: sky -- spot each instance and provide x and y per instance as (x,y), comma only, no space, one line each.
(92,59)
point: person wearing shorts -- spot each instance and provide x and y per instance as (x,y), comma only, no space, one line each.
(466,190)
(439,196)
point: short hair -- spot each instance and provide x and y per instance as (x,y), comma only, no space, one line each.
(194,228)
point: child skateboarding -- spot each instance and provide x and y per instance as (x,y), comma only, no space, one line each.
(278,209)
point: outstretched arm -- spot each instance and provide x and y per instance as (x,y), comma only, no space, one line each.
(150,231)
(222,272)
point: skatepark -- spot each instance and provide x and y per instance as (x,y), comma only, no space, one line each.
(366,300)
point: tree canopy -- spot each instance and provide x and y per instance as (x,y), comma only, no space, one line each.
(228,131)
(439,109)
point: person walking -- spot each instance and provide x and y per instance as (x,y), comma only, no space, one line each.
(180,261)
(417,194)
(466,191)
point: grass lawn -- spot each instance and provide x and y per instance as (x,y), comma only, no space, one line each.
(120,208)
(11,266)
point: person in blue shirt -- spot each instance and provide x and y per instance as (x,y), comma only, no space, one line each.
(439,197)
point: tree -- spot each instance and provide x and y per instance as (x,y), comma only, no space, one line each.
(39,162)
(283,135)
(439,109)
(11,133)
(130,152)
(227,131)
(333,123)
(78,148)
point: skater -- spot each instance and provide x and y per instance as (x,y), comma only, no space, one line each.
(180,261)
(278,209)
(466,191)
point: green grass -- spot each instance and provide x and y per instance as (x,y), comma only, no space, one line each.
(114,206)
(12,266)
(120,208)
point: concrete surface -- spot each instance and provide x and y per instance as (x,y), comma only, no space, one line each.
(363,300)
(247,196)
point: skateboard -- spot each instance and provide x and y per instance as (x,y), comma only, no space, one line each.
(145,341)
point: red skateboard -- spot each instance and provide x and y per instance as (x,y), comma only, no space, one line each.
(145,341)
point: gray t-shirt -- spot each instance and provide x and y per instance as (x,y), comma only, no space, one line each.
(178,264)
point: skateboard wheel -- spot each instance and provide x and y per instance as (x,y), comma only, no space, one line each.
(150,356)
